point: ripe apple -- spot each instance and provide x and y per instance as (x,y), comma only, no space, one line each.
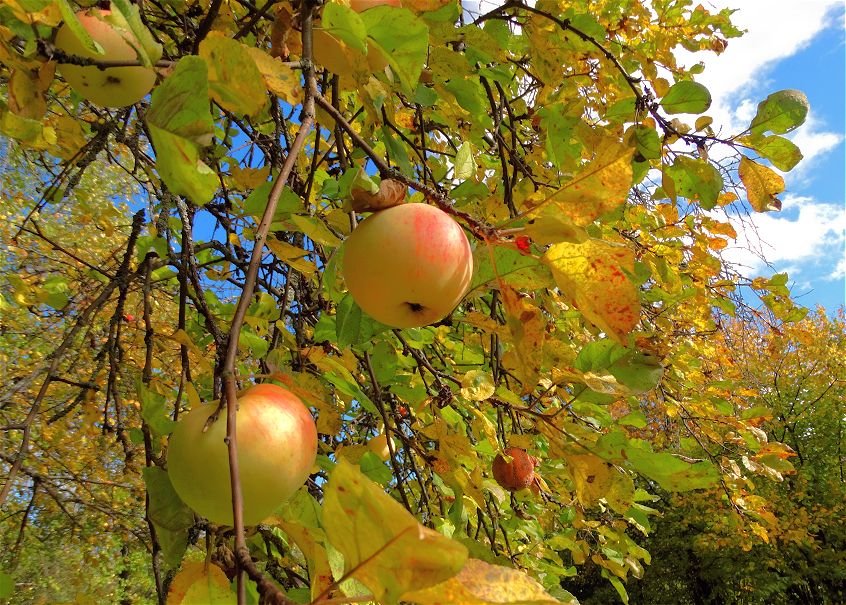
(277,446)
(379,446)
(408,266)
(362,5)
(111,87)
(517,474)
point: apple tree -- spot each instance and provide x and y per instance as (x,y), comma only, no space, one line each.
(583,195)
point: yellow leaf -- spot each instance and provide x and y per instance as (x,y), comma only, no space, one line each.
(480,583)
(599,187)
(292,255)
(591,476)
(249,178)
(477,385)
(528,331)
(279,79)
(384,546)
(762,185)
(316,230)
(309,540)
(196,585)
(592,276)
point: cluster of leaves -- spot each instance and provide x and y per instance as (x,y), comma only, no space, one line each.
(567,141)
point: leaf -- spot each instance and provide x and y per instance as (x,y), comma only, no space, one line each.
(383,545)
(179,122)
(153,411)
(686,97)
(128,17)
(599,187)
(352,326)
(345,24)
(170,516)
(403,40)
(465,165)
(783,153)
(315,230)
(480,583)
(293,256)
(696,179)
(279,78)
(477,385)
(235,81)
(7,585)
(762,185)
(592,276)
(780,112)
(591,477)
(527,326)
(197,585)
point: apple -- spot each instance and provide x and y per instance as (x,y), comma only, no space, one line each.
(277,447)
(517,474)
(408,266)
(363,5)
(379,446)
(113,86)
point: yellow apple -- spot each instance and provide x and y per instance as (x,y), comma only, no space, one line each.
(277,446)
(408,266)
(111,87)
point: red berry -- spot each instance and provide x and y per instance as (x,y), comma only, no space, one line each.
(524,244)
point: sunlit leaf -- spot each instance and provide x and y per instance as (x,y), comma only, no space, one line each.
(383,545)
(234,79)
(200,584)
(592,275)
(480,583)
(762,185)
(780,112)
(686,97)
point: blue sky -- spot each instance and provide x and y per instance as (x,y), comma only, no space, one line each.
(800,45)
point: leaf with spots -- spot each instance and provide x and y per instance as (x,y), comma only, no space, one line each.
(528,331)
(384,546)
(599,187)
(480,583)
(593,277)
(477,385)
(762,185)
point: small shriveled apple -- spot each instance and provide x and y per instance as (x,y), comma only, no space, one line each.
(277,447)
(516,474)
(408,266)
(113,86)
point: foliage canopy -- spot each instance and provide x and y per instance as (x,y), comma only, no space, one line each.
(564,138)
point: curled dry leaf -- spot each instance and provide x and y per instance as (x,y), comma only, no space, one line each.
(391,193)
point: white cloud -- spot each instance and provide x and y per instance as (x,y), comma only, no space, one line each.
(803,235)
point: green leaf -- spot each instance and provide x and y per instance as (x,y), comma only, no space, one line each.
(235,81)
(686,97)
(346,24)
(353,326)
(783,153)
(7,585)
(384,546)
(374,469)
(253,343)
(179,121)
(696,179)
(647,142)
(153,410)
(170,516)
(465,165)
(70,19)
(128,17)
(402,38)
(780,112)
